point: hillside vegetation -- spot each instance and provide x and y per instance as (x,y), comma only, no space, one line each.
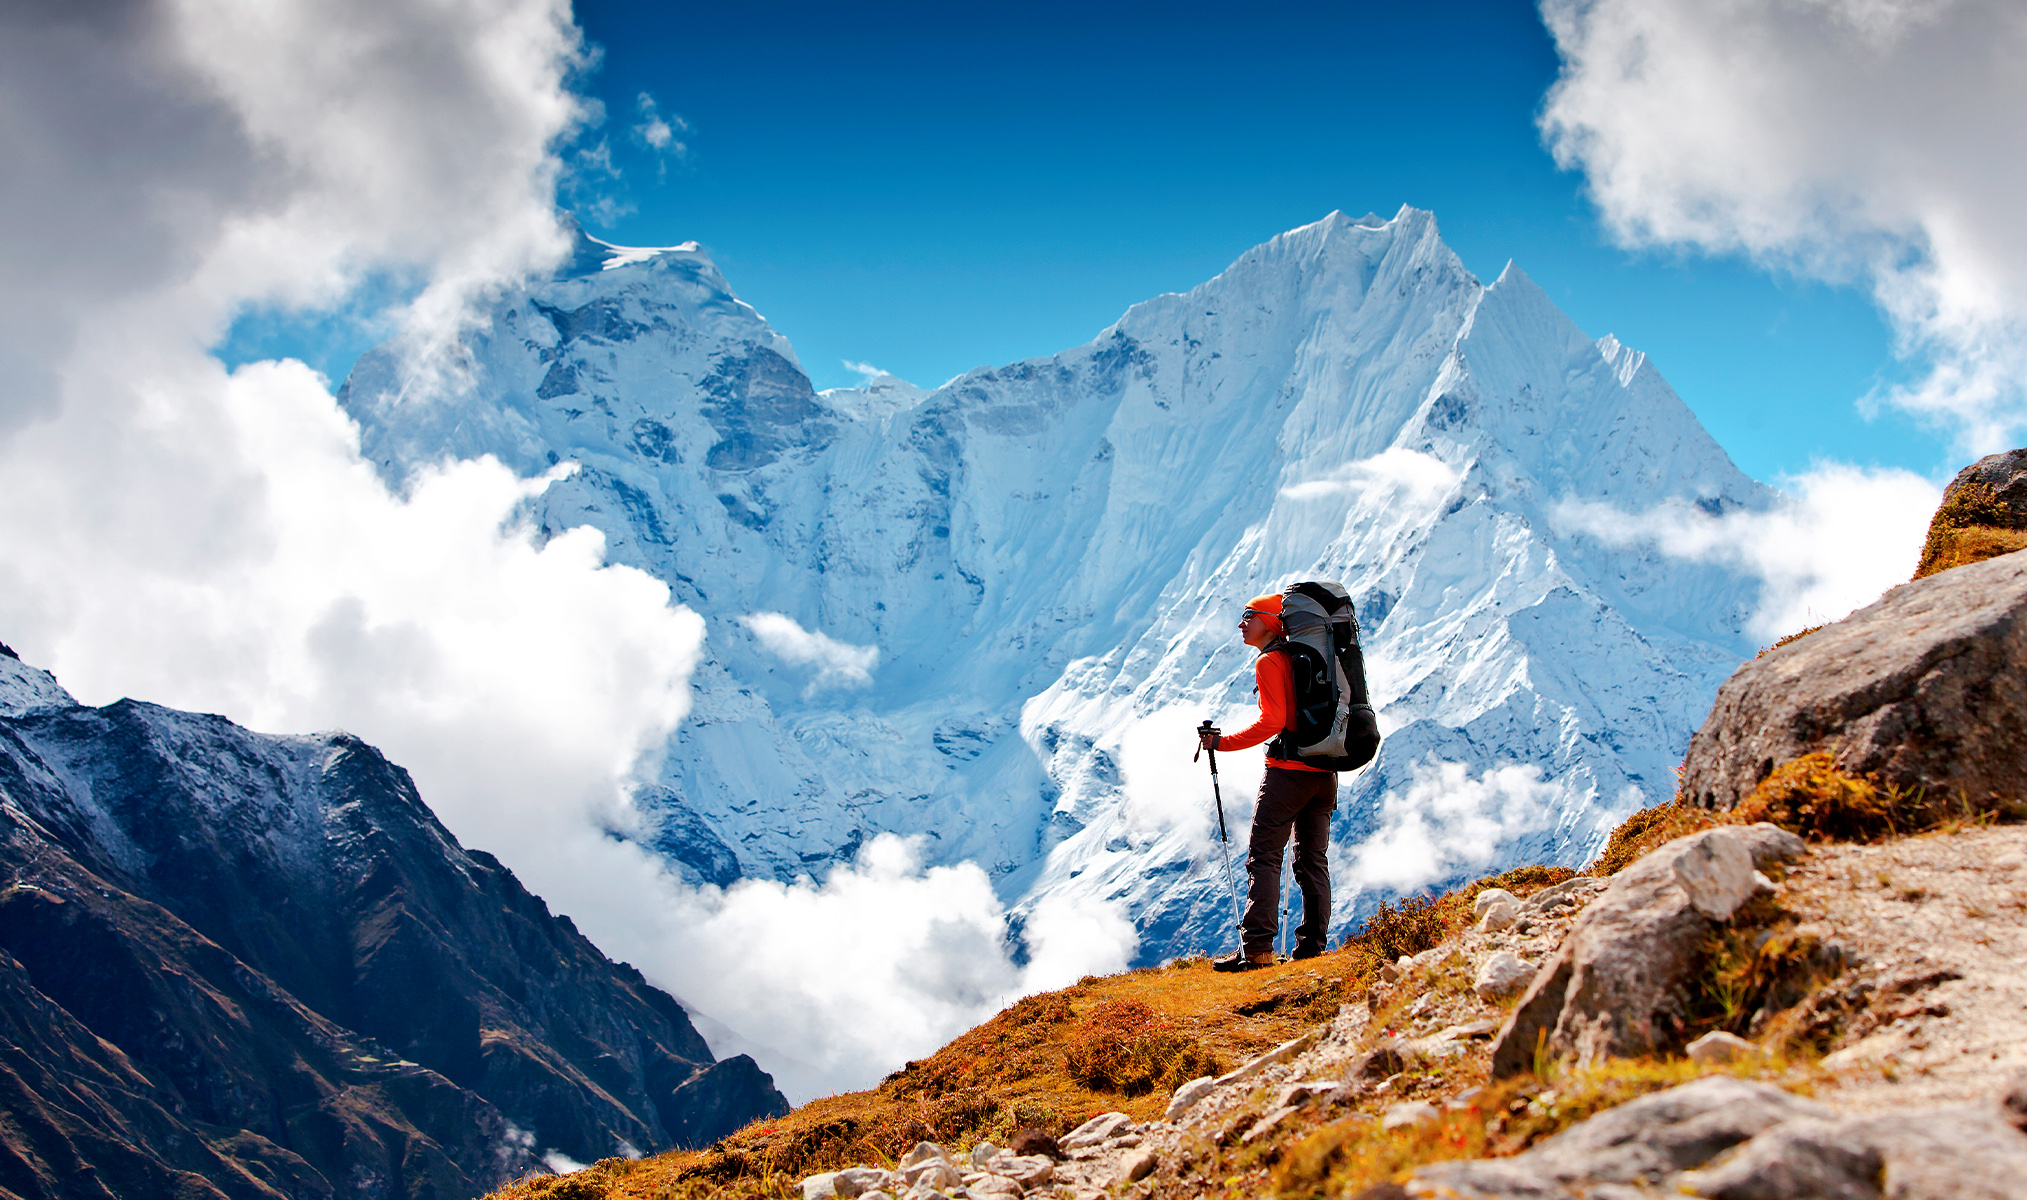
(1124,1042)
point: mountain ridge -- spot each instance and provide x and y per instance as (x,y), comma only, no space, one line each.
(1044,556)
(287,977)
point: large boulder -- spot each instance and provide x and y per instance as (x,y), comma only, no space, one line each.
(1617,985)
(1923,689)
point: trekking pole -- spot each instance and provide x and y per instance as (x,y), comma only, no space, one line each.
(1224,837)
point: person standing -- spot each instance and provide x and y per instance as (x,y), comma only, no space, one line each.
(1294,798)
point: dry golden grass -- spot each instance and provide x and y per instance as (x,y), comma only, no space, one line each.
(1124,1041)
(1971,526)
(1050,1061)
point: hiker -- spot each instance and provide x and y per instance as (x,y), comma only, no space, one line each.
(1294,796)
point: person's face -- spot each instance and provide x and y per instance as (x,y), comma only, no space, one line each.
(1256,628)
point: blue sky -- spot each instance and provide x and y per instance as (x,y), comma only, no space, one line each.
(934,188)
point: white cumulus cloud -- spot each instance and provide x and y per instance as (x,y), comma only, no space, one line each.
(1446,820)
(836,663)
(1419,479)
(212,539)
(1854,140)
(1840,537)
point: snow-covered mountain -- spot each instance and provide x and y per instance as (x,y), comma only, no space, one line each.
(989,614)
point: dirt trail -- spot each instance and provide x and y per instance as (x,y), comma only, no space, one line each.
(1940,922)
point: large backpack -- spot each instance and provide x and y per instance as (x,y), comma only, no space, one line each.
(1334,724)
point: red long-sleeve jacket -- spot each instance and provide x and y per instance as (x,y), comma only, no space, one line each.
(1277,710)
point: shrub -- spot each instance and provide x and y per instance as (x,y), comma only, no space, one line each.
(1122,1046)
(1972,525)
(1812,797)
(1647,829)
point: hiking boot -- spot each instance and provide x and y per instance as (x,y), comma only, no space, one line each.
(1243,961)
(1307,950)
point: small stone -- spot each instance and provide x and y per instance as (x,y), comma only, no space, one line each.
(1028,1170)
(2010,862)
(1719,1047)
(1096,1130)
(994,1185)
(1032,1141)
(1499,917)
(923,1152)
(820,1187)
(1294,1095)
(1483,901)
(1389,973)
(934,1173)
(857,1181)
(1267,1124)
(984,1152)
(1408,1114)
(1139,1165)
(1502,975)
(1187,1096)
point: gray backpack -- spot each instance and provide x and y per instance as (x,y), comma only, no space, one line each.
(1335,728)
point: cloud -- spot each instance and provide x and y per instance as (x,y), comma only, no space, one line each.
(212,539)
(838,664)
(833,984)
(1422,480)
(1841,536)
(1445,821)
(656,132)
(866,369)
(1852,140)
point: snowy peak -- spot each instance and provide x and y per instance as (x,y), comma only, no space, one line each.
(1038,563)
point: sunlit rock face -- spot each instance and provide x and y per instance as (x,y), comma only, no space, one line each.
(1025,581)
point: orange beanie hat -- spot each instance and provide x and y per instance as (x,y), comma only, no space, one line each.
(1269,603)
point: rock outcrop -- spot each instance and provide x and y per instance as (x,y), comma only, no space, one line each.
(250,966)
(1922,689)
(1616,984)
(1781,1147)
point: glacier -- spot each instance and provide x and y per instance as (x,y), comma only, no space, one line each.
(987,615)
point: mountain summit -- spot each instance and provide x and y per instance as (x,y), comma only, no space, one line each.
(989,613)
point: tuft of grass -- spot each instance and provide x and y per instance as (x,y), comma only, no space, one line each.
(1419,923)
(1124,1046)
(1971,525)
(1754,968)
(1813,797)
(1649,828)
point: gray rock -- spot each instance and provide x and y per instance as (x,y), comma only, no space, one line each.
(1499,916)
(934,1173)
(1616,984)
(1573,890)
(1097,1129)
(1029,1170)
(923,1152)
(1501,976)
(859,1181)
(1798,1160)
(1138,1165)
(1718,1046)
(1489,897)
(982,1154)
(820,1187)
(1408,1114)
(1187,1095)
(1922,688)
(994,1185)
(1642,1141)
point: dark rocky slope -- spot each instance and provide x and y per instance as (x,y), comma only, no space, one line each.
(252,966)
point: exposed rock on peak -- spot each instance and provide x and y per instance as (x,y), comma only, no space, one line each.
(262,961)
(1922,688)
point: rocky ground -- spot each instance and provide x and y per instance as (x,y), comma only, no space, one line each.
(1921,1026)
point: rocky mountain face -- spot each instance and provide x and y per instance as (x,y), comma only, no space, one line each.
(240,965)
(1028,577)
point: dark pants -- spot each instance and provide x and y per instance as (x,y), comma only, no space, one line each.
(1301,802)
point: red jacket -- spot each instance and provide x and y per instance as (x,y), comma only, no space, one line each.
(1277,710)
